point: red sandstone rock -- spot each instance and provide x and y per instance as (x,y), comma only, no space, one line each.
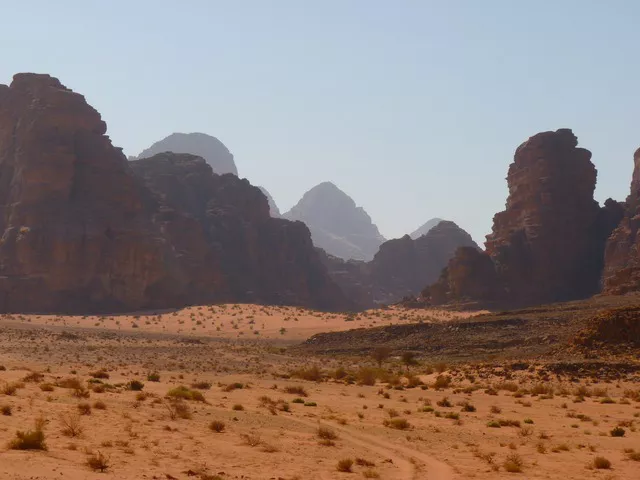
(548,244)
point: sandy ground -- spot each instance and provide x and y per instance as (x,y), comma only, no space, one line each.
(244,321)
(477,421)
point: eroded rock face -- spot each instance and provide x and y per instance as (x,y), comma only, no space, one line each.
(622,255)
(548,244)
(401,267)
(85,231)
(227,243)
(202,145)
(337,225)
(75,236)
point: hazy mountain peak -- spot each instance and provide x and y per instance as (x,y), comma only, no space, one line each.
(424,229)
(336,223)
(206,146)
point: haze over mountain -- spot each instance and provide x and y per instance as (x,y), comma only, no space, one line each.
(273,208)
(424,229)
(337,225)
(210,148)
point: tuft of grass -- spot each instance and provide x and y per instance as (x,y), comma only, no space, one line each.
(177,408)
(296,390)
(153,377)
(135,385)
(185,393)
(618,432)
(238,407)
(345,465)
(99,405)
(201,385)
(6,410)
(84,408)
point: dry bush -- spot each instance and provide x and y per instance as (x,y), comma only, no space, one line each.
(185,393)
(397,423)
(99,405)
(135,385)
(296,390)
(370,473)
(6,410)
(177,408)
(252,439)
(326,433)
(237,407)
(442,382)
(84,408)
(30,439)
(47,387)
(601,463)
(201,385)
(345,465)
(9,388)
(102,374)
(34,377)
(71,424)
(312,374)
(364,463)
(367,376)
(513,463)
(217,426)
(98,462)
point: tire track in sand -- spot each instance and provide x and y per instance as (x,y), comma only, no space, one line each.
(413,465)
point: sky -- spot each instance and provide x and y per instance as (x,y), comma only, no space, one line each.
(414,108)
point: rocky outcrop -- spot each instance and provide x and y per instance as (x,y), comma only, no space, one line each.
(548,244)
(83,230)
(273,207)
(622,255)
(424,229)
(401,267)
(200,144)
(337,225)
(229,246)
(75,235)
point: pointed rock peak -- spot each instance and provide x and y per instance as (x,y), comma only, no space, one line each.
(273,207)
(424,229)
(206,146)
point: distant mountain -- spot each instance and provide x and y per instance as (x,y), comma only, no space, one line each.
(424,229)
(273,208)
(337,225)
(210,148)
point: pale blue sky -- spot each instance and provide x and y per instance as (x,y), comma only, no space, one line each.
(414,108)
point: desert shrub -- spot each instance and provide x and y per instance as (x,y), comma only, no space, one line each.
(233,386)
(34,377)
(444,402)
(9,389)
(495,409)
(30,439)
(297,400)
(366,376)
(310,404)
(153,377)
(99,405)
(296,390)
(252,439)
(46,387)
(635,456)
(84,408)
(6,410)
(541,389)
(98,462)
(326,433)
(442,381)
(364,463)
(397,423)
(99,374)
(513,463)
(185,393)
(202,385)
(71,424)
(617,432)
(493,424)
(467,407)
(217,426)
(177,408)
(312,374)
(345,465)
(238,407)
(601,463)
(135,385)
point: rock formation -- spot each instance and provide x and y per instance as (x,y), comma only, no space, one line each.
(273,207)
(199,144)
(401,267)
(424,229)
(337,225)
(229,246)
(548,244)
(75,236)
(622,255)
(81,232)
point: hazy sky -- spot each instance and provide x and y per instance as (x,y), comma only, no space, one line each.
(414,108)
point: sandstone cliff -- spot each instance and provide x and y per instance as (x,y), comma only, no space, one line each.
(337,225)
(548,244)
(81,232)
